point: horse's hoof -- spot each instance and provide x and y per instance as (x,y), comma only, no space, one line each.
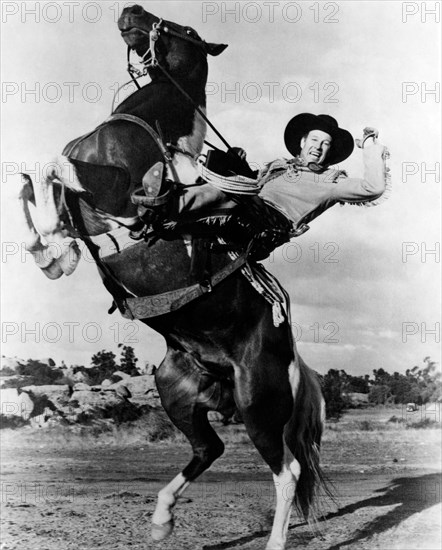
(160,532)
(69,259)
(53,271)
(43,257)
(275,545)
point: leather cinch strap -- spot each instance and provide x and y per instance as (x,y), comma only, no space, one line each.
(160,304)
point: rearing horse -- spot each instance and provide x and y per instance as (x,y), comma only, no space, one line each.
(223,348)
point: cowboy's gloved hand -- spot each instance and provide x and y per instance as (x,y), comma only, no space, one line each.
(238,151)
(369,137)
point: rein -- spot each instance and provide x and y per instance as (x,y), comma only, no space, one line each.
(196,107)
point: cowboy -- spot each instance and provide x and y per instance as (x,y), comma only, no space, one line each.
(308,185)
(292,192)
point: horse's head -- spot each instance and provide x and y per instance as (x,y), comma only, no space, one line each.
(177,49)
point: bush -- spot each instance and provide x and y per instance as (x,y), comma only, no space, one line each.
(39,373)
(424,423)
(7,371)
(12,422)
(332,391)
(18,382)
(397,420)
(366,426)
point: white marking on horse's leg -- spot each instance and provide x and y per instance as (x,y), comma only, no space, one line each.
(31,240)
(294,377)
(58,247)
(43,220)
(162,519)
(285,486)
(285,482)
(46,218)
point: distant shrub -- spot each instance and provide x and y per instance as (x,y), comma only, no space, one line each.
(366,426)
(18,382)
(424,423)
(12,422)
(7,371)
(40,374)
(397,420)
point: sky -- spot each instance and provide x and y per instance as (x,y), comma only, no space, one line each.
(364,282)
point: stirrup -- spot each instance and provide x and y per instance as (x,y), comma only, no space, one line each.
(149,194)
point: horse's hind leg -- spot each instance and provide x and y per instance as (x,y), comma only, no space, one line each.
(187,395)
(265,400)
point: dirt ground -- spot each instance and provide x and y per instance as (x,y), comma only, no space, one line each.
(70,496)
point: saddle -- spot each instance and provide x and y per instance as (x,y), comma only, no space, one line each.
(114,157)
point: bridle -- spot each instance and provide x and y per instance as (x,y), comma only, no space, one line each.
(150,60)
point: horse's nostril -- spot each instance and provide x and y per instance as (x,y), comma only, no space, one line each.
(136,10)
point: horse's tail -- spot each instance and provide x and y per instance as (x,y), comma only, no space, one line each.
(302,436)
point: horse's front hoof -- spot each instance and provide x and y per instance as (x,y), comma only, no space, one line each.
(161,532)
(275,545)
(53,271)
(69,259)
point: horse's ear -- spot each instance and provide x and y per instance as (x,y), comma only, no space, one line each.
(215,49)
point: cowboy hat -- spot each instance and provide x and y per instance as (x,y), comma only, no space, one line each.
(300,125)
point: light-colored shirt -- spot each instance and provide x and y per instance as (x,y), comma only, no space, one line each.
(302,195)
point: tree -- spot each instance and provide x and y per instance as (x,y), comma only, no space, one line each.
(332,388)
(379,394)
(103,366)
(128,361)
(40,373)
(418,385)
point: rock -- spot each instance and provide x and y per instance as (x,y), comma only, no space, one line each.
(79,376)
(147,368)
(11,363)
(48,417)
(123,391)
(121,374)
(52,397)
(16,403)
(53,392)
(48,361)
(92,405)
(120,388)
(357,398)
(106,383)
(140,385)
(81,386)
